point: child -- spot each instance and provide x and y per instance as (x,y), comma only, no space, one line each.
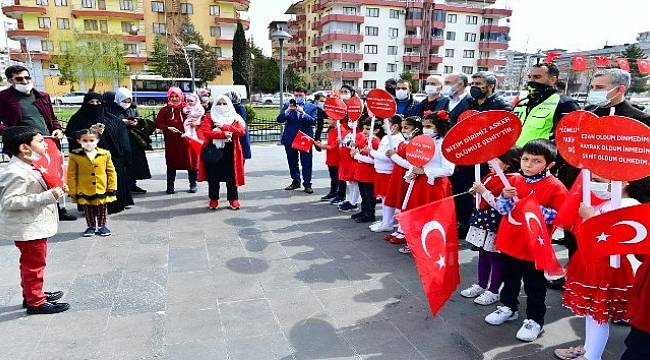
(364,172)
(337,192)
(595,290)
(638,341)
(347,165)
(383,171)
(431,181)
(538,157)
(92,181)
(193,111)
(28,215)
(397,187)
(482,231)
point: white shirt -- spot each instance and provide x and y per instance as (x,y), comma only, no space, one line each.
(453,102)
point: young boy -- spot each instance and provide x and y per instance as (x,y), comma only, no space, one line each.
(538,157)
(364,173)
(337,188)
(28,215)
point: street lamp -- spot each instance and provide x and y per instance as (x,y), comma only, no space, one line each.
(281,36)
(193,49)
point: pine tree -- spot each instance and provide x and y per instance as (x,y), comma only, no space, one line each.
(241,58)
(207,66)
(159,58)
(632,53)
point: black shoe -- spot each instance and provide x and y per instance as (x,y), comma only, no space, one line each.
(293,186)
(193,189)
(357,215)
(328,197)
(365,219)
(557,284)
(309,190)
(138,190)
(48,308)
(49,297)
(347,207)
(65,216)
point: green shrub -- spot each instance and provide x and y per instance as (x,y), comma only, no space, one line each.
(252,113)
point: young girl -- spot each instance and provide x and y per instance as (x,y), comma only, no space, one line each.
(346,163)
(482,231)
(431,180)
(383,170)
(92,181)
(595,290)
(364,173)
(336,193)
(193,111)
(397,187)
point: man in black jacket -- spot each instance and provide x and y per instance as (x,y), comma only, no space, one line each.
(319,101)
(608,90)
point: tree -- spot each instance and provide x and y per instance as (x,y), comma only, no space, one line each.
(266,72)
(68,67)
(159,58)
(408,76)
(241,58)
(632,53)
(293,79)
(207,65)
(114,64)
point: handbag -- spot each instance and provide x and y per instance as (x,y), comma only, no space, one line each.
(211,155)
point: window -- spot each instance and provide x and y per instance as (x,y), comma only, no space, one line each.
(88,4)
(41,2)
(451,35)
(369,84)
(471,37)
(187,8)
(468,70)
(484,54)
(372,31)
(391,67)
(127,27)
(480,68)
(159,28)
(348,10)
(348,48)
(103,26)
(64,46)
(158,6)
(370,49)
(392,50)
(90,25)
(126,5)
(215,31)
(471,19)
(393,14)
(61,2)
(449,69)
(393,33)
(488,21)
(452,18)
(349,83)
(63,23)
(349,65)
(449,53)
(131,49)
(217,51)
(370,67)
(372,12)
(44,22)
(215,10)
(414,13)
(47,45)
(468,54)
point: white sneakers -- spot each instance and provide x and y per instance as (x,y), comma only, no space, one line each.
(501,315)
(472,291)
(379,227)
(529,331)
(487,298)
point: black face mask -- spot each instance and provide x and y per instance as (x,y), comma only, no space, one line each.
(391,90)
(476,92)
(535,88)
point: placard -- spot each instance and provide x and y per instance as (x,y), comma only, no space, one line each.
(381,103)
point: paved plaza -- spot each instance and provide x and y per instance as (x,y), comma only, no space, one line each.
(286,277)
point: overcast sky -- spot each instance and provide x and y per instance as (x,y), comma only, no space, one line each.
(535,24)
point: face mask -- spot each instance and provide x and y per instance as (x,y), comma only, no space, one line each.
(222,109)
(300,100)
(34,156)
(535,88)
(407,135)
(598,97)
(320,104)
(476,92)
(352,124)
(24,88)
(447,90)
(124,105)
(89,146)
(431,90)
(345,96)
(401,94)
(429,132)
(600,189)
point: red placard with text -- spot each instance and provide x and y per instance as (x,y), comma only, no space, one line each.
(420,150)
(335,108)
(567,135)
(466,114)
(381,103)
(355,108)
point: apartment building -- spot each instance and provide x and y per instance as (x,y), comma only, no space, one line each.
(46,27)
(364,42)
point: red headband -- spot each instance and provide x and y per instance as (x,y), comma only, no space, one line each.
(442,115)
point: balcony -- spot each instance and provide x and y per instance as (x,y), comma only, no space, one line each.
(316,25)
(335,36)
(316,59)
(224,61)
(15,11)
(413,40)
(492,62)
(22,33)
(223,41)
(438,25)
(301,18)
(498,12)
(316,42)
(120,36)
(413,22)
(492,45)
(27,56)
(495,29)
(435,59)
(342,18)
(392,3)
(240,5)
(113,10)
(300,49)
(220,20)
(300,34)
(300,64)
(345,74)
(344,56)
(411,58)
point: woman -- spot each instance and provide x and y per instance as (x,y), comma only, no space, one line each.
(115,139)
(241,111)
(179,155)
(222,158)
(90,113)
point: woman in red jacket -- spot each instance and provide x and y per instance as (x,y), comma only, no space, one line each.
(179,155)
(222,158)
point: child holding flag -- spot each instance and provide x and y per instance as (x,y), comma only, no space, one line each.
(337,188)
(364,172)
(347,164)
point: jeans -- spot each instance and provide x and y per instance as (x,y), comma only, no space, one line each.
(192,175)
(293,156)
(214,187)
(514,270)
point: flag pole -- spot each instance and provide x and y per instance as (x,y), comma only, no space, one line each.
(617,199)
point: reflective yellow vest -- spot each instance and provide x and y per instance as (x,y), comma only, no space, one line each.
(538,124)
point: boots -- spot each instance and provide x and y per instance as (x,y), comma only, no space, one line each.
(171,178)
(192,175)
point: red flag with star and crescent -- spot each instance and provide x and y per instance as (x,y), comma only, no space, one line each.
(601,60)
(523,234)
(51,166)
(567,215)
(551,56)
(621,231)
(643,65)
(579,63)
(302,142)
(623,64)
(433,239)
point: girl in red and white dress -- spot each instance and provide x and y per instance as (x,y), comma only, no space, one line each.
(593,289)
(383,172)
(431,180)
(364,173)
(347,164)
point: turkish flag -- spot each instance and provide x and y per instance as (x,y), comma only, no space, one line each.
(551,56)
(643,65)
(579,63)
(623,64)
(602,61)
(302,142)
(431,235)
(523,235)
(51,166)
(621,231)
(567,216)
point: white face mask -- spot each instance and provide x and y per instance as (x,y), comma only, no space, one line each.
(431,90)
(401,94)
(222,109)
(34,156)
(447,90)
(89,146)
(24,88)
(598,97)
(345,96)
(429,132)
(124,105)
(352,124)
(600,189)
(407,135)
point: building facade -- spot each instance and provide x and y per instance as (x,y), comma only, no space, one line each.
(364,42)
(45,28)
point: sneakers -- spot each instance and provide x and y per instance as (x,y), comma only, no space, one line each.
(487,298)
(404,249)
(293,186)
(570,353)
(193,189)
(337,201)
(103,231)
(472,291)
(213,204)
(328,197)
(379,227)
(309,190)
(47,308)
(529,331)
(398,239)
(501,315)
(89,232)
(234,204)
(348,207)
(49,297)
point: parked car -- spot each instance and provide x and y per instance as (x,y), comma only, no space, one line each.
(275,98)
(311,96)
(73,98)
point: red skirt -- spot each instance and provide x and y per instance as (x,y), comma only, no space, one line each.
(397,187)
(594,288)
(423,193)
(347,165)
(381,184)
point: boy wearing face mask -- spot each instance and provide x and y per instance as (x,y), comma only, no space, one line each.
(434,100)
(406,105)
(92,181)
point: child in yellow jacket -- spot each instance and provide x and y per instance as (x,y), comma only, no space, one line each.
(92,181)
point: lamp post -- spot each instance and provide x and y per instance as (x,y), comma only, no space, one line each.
(192,49)
(281,36)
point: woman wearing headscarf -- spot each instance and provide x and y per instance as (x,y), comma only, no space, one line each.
(90,113)
(241,111)
(115,139)
(179,155)
(222,158)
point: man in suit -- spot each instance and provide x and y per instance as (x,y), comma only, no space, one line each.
(298,115)
(454,88)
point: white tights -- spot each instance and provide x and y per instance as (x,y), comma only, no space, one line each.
(387,215)
(596,338)
(352,194)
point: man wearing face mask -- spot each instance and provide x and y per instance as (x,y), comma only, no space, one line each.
(22,105)
(298,115)
(608,90)
(454,89)
(406,105)
(434,101)
(483,93)
(390,86)
(319,101)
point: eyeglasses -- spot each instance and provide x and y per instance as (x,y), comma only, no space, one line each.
(22,78)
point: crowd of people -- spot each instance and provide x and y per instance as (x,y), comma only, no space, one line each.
(367,164)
